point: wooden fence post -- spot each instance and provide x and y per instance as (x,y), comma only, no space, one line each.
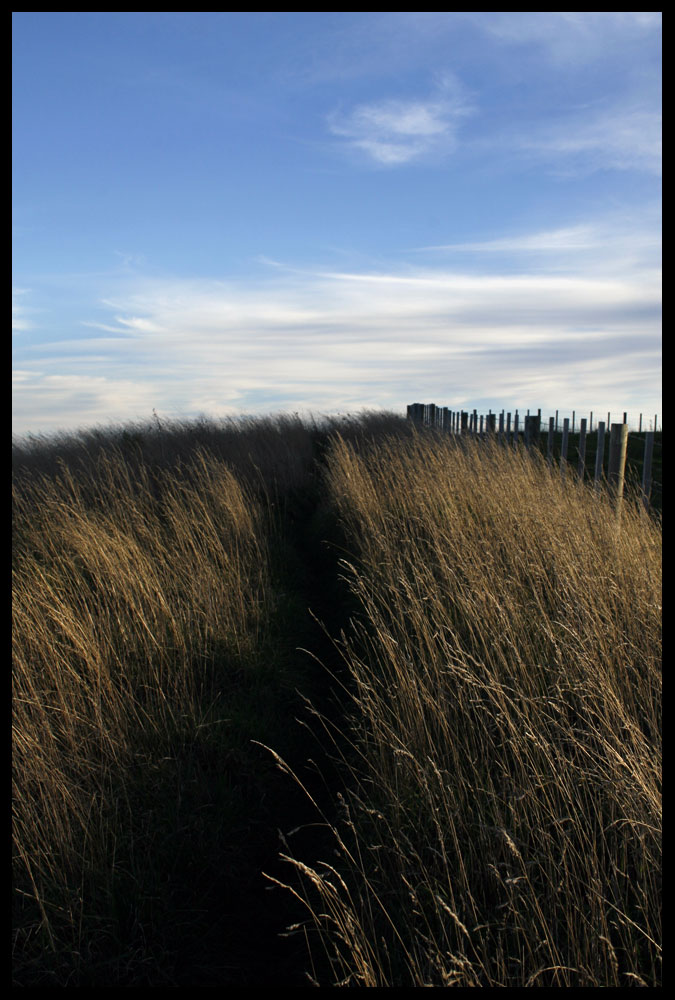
(600,453)
(618,441)
(416,413)
(565,442)
(532,428)
(509,433)
(515,429)
(647,468)
(549,443)
(582,448)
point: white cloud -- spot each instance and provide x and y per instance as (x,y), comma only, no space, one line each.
(338,340)
(396,131)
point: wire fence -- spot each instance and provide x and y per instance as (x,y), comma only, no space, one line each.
(629,452)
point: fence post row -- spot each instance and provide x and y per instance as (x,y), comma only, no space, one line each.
(461,422)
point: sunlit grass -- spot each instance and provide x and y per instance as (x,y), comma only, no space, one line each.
(503,823)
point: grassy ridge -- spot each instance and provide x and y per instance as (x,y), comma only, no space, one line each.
(498,634)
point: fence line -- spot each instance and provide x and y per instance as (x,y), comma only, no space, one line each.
(463,422)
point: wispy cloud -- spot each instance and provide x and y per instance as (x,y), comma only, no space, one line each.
(614,246)
(622,138)
(552,241)
(328,340)
(607,116)
(46,400)
(20,322)
(395,131)
(569,37)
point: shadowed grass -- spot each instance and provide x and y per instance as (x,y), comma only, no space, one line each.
(138,606)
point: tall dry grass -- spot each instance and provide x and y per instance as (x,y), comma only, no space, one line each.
(138,600)
(161,573)
(502,823)
(504,820)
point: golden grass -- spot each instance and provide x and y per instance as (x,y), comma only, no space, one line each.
(503,824)
(500,823)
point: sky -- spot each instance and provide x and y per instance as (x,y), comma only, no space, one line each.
(224,213)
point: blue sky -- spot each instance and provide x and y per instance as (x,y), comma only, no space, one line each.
(224,213)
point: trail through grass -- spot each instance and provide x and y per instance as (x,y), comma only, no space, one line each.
(471,645)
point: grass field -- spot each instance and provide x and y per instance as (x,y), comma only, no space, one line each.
(415,684)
